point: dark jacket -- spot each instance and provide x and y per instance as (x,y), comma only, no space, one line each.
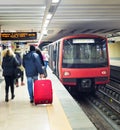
(32,64)
(40,56)
(18,56)
(9,64)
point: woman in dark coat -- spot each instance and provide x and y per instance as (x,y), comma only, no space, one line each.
(9,63)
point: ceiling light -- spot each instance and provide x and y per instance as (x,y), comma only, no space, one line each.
(44,32)
(46,23)
(49,16)
(55,1)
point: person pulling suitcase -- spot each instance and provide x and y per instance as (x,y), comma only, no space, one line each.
(33,68)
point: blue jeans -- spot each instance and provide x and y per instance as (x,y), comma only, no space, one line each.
(46,63)
(30,81)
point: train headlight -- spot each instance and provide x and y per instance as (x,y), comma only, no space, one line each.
(104,72)
(66,73)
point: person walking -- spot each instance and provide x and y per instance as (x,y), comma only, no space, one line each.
(40,55)
(45,57)
(33,68)
(42,61)
(9,63)
(19,58)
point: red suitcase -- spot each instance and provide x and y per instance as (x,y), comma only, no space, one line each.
(43,92)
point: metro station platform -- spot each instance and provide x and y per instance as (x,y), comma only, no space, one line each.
(115,62)
(63,114)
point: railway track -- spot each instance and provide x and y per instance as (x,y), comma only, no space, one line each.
(104,106)
(101,114)
(110,96)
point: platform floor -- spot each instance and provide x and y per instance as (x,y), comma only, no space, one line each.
(63,114)
(115,62)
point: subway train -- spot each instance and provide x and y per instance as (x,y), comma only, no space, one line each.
(80,61)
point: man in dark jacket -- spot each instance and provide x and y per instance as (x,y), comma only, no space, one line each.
(33,67)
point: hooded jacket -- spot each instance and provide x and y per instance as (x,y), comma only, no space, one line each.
(32,64)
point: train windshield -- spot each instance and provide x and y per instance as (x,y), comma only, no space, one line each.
(82,53)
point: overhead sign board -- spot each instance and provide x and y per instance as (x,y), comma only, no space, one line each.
(18,36)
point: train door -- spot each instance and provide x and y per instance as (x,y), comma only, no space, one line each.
(56,59)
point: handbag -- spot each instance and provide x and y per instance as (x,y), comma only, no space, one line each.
(17,73)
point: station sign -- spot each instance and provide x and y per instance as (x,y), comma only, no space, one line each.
(18,36)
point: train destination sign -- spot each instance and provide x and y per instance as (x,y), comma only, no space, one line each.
(83,41)
(18,36)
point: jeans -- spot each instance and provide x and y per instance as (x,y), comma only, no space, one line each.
(30,81)
(46,63)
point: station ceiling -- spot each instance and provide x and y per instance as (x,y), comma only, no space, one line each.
(68,17)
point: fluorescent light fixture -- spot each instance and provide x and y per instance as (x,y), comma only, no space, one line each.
(49,16)
(46,23)
(44,32)
(55,1)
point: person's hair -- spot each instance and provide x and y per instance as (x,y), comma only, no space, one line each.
(32,48)
(8,52)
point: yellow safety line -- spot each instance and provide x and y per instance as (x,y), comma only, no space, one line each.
(57,117)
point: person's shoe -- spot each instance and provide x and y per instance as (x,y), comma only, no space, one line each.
(22,84)
(12,96)
(17,85)
(31,101)
(6,99)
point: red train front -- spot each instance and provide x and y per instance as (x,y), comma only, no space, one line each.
(80,61)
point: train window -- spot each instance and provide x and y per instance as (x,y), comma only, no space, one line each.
(84,54)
